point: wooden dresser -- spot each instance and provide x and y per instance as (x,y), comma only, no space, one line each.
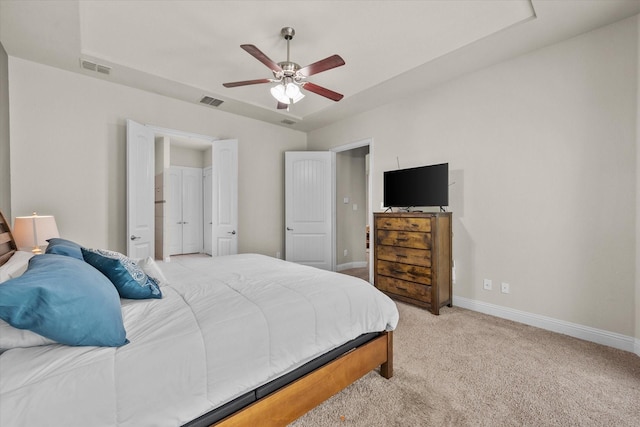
(412,257)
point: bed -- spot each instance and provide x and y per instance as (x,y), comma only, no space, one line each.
(228,341)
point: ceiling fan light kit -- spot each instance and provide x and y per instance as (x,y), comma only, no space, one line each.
(290,76)
(287,93)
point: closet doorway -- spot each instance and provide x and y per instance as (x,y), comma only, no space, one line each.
(181,193)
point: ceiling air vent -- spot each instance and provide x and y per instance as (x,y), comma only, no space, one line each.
(288,122)
(211,101)
(92,66)
(103,69)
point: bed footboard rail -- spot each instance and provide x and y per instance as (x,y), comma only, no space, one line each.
(294,400)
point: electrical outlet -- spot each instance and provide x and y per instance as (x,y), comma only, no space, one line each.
(504,288)
(278,254)
(346,251)
(487,285)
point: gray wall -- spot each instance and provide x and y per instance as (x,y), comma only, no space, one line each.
(542,158)
(5,170)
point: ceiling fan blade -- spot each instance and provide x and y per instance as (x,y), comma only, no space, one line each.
(319,90)
(246,82)
(322,65)
(282,106)
(257,53)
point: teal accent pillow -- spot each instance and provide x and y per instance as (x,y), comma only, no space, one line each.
(125,274)
(64,247)
(66,300)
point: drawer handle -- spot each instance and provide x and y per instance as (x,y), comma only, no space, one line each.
(401,288)
(400,256)
(397,271)
(401,239)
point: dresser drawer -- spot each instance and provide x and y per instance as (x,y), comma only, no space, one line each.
(404,224)
(406,239)
(406,289)
(421,257)
(412,273)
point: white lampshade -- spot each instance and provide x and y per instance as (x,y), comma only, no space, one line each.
(31,232)
(287,94)
(278,93)
(293,91)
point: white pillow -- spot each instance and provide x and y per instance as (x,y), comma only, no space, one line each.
(152,269)
(11,337)
(16,265)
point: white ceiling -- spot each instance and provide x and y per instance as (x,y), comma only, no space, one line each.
(187,49)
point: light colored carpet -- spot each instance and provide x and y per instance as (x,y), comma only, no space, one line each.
(361,272)
(464,368)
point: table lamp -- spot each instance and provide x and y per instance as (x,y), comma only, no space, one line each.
(33,231)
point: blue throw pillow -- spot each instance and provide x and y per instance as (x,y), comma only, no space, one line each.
(66,300)
(127,276)
(64,247)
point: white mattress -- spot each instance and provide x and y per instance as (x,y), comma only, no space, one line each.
(224,326)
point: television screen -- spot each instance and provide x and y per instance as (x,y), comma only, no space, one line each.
(421,186)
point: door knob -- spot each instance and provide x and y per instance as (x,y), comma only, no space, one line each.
(135,237)
(231,232)
(289,229)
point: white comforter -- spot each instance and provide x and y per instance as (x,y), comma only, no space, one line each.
(224,326)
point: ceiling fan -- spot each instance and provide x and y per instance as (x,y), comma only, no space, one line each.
(290,76)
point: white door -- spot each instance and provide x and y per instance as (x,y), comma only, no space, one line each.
(191,210)
(225,202)
(309,208)
(184,210)
(140,190)
(207,210)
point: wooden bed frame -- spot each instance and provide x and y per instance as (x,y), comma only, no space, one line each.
(7,243)
(297,398)
(294,400)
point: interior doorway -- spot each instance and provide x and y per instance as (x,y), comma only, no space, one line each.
(151,151)
(180,162)
(353,208)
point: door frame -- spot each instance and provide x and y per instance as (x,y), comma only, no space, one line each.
(365,142)
(194,138)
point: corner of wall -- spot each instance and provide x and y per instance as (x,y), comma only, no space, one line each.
(5,165)
(637,278)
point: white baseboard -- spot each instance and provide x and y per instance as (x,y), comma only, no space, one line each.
(348,265)
(575,330)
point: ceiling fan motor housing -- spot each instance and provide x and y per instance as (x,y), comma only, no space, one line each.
(289,69)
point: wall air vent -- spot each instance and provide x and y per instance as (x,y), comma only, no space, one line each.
(211,101)
(92,66)
(288,122)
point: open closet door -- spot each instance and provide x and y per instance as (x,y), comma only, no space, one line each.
(309,208)
(140,190)
(225,202)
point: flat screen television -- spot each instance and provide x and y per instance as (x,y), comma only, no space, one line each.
(421,186)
